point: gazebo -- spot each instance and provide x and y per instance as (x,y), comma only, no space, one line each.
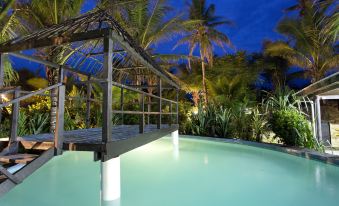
(326,89)
(93,45)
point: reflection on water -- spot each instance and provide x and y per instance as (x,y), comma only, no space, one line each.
(196,173)
(111,203)
(176,152)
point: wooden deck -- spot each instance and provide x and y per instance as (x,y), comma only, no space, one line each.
(124,139)
(135,72)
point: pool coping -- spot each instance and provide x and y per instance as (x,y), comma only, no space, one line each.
(299,152)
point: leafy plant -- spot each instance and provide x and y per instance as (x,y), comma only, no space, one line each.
(292,128)
(22,124)
(38,123)
(259,124)
(241,121)
(201,121)
(223,122)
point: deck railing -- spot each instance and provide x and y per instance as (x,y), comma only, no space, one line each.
(105,80)
(18,97)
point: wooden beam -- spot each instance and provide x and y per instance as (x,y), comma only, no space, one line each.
(128,47)
(122,104)
(41,91)
(107,90)
(27,170)
(54,41)
(142,115)
(150,86)
(140,92)
(115,149)
(15,118)
(177,106)
(159,102)
(171,111)
(88,103)
(47,63)
(140,112)
(10,176)
(60,116)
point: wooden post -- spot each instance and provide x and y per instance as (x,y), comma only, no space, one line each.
(2,69)
(177,107)
(159,102)
(2,76)
(107,89)
(60,112)
(142,115)
(122,104)
(15,117)
(149,99)
(171,111)
(88,103)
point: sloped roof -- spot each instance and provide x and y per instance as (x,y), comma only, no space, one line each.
(327,86)
(81,40)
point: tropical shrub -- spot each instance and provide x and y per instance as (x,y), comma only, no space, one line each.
(259,125)
(223,122)
(292,128)
(202,122)
(38,123)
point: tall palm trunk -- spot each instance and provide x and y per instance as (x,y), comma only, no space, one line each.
(204,87)
(53,78)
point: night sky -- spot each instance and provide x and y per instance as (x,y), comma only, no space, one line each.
(254,21)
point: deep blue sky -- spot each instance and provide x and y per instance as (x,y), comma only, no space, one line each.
(255,21)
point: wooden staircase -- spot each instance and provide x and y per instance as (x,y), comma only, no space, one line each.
(17,163)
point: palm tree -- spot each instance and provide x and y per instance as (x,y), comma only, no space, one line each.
(148,23)
(36,14)
(310,46)
(5,6)
(203,34)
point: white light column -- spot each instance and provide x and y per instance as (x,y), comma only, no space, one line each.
(318,116)
(175,138)
(175,143)
(110,180)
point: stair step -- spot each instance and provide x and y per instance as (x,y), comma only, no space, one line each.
(18,158)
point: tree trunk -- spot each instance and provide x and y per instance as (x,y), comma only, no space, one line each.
(195,97)
(204,88)
(53,79)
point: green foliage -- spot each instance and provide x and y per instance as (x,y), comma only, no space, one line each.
(38,123)
(288,122)
(283,99)
(200,123)
(258,124)
(10,75)
(310,42)
(226,122)
(4,128)
(22,124)
(223,122)
(292,128)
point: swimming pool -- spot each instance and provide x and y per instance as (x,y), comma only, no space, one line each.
(200,173)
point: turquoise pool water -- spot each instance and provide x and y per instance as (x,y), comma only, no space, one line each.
(201,173)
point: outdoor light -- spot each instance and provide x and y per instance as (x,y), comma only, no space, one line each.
(3,97)
(195,110)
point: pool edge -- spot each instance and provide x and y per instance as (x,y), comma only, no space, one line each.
(304,153)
